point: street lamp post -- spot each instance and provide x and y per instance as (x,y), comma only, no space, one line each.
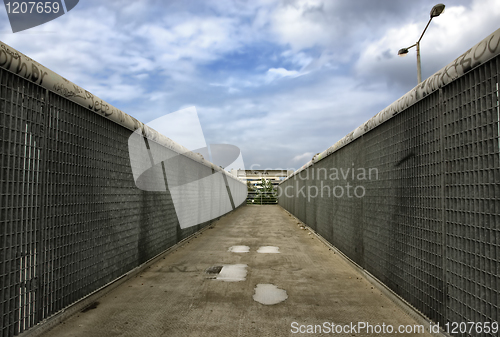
(435,11)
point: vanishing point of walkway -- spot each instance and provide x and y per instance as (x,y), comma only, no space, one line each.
(176,296)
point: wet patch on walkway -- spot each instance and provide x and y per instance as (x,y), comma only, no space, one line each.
(228,272)
(239,249)
(269,294)
(213,270)
(268,250)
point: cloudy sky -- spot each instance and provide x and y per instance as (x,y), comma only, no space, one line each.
(281,79)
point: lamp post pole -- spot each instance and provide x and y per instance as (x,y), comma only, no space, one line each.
(435,11)
(419,67)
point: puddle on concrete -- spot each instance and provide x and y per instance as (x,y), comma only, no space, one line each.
(232,273)
(268,250)
(269,294)
(213,270)
(239,249)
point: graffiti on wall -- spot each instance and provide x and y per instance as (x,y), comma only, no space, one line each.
(25,67)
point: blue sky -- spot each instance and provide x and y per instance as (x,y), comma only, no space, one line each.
(282,80)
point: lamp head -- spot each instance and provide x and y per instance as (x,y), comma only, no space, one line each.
(403,52)
(437,10)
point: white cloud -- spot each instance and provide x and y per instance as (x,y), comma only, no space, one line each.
(303,158)
(198,39)
(276,73)
(300,24)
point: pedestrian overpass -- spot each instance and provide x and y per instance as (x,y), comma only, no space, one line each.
(110,228)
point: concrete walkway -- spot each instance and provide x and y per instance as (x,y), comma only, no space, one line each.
(176,297)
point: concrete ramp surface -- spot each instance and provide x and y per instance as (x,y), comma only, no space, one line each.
(299,286)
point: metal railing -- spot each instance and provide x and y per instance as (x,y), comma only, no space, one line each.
(71,216)
(262,198)
(421,212)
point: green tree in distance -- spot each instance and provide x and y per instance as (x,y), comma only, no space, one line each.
(266,194)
